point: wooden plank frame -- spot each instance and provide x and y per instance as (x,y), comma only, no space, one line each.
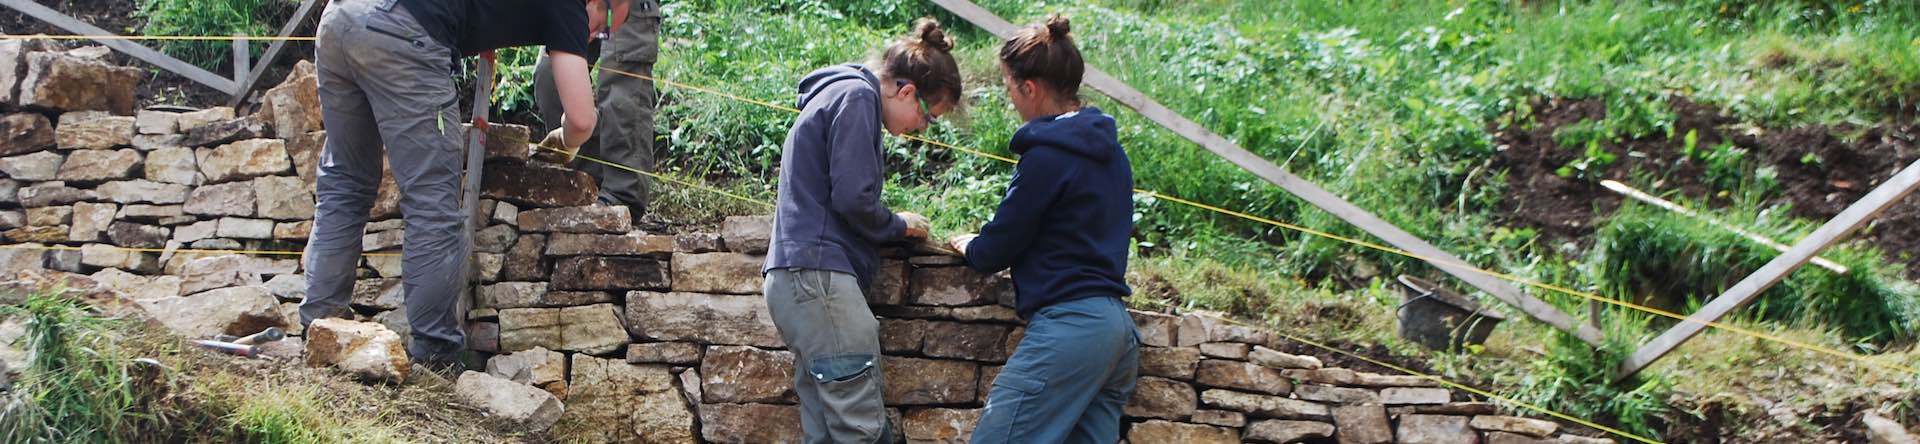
(128,47)
(273,51)
(1302,188)
(1835,230)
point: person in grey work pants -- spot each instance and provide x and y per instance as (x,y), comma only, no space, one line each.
(626,104)
(384,81)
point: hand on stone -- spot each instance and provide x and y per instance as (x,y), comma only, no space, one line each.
(556,141)
(917,226)
(960,242)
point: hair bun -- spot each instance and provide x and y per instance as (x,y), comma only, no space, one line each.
(931,36)
(1057,26)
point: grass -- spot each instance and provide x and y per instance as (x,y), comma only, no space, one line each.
(84,385)
(210,18)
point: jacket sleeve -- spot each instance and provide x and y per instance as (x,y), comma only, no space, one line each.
(1037,182)
(855,171)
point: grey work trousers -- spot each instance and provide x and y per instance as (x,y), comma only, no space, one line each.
(625,104)
(385,83)
(823,317)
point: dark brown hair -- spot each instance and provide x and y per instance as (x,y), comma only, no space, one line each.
(1045,52)
(923,58)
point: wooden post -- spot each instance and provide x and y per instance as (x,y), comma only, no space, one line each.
(1319,197)
(242,59)
(128,47)
(476,160)
(1743,292)
(273,50)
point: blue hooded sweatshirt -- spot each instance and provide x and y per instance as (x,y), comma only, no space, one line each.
(1064,225)
(828,215)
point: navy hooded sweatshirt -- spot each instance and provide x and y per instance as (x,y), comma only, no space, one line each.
(1064,224)
(828,215)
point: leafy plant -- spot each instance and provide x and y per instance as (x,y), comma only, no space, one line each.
(209,18)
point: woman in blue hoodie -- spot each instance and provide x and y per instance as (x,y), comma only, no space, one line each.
(828,219)
(1063,228)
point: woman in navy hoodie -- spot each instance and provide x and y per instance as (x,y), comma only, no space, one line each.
(1063,228)
(828,219)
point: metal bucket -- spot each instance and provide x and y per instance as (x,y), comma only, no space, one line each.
(1439,319)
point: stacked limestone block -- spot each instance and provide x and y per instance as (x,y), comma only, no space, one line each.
(643,337)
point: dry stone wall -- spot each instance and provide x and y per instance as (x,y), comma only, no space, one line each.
(642,337)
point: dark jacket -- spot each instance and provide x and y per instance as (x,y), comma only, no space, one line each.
(828,215)
(1064,224)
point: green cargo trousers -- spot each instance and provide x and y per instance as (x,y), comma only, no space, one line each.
(624,133)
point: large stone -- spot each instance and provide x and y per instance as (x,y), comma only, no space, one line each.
(1157,431)
(244,228)
(295,231)
(90,221)
(91,165)
(1197,328)
(612,401)
(33,167)
(747,234)
(1243,376)
(94,133)
(364,349)
(1281,431)
(225,131)
(538,367)
(55,233)
(245,159)
(889,284)
(524,262)
(902,335)
(195,231)
(956,286)
(227,199)
(1177,363)
(21,258)
(9,192)
(13,64)
(288,287)
(914,381)
(697,243)
(107,256)
(483,337)
(67,82)
(940,425)
(46,194)
(1328,375)
(727,273)
(395,320)
(737,374)
(217,272)
(11,219)
(1412,395)
(190,121)
(676,353)
(978,342)
(506,295)
(1162,398)
(144,191)
(137,287)
(1435,429)
(1513,424)
(506,141)
(706,319)
(293,107)
(632,244)
(1515,438)
(25,133)
(1274,359)
(49,216)
(234,311)
(1155,329)
(750,424)
(1452,408)
(305,150)
(525,408)
(535,185)
(383,240)
(282,198)
(1336,395)
(153,142)
(591,329)
(149,121)
(610,273)
(496,239)
(150,213)
(584,219)
(1263,406)
(1224,350)
(1363,424)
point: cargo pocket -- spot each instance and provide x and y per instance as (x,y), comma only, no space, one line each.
(848,384)
(1007,405)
